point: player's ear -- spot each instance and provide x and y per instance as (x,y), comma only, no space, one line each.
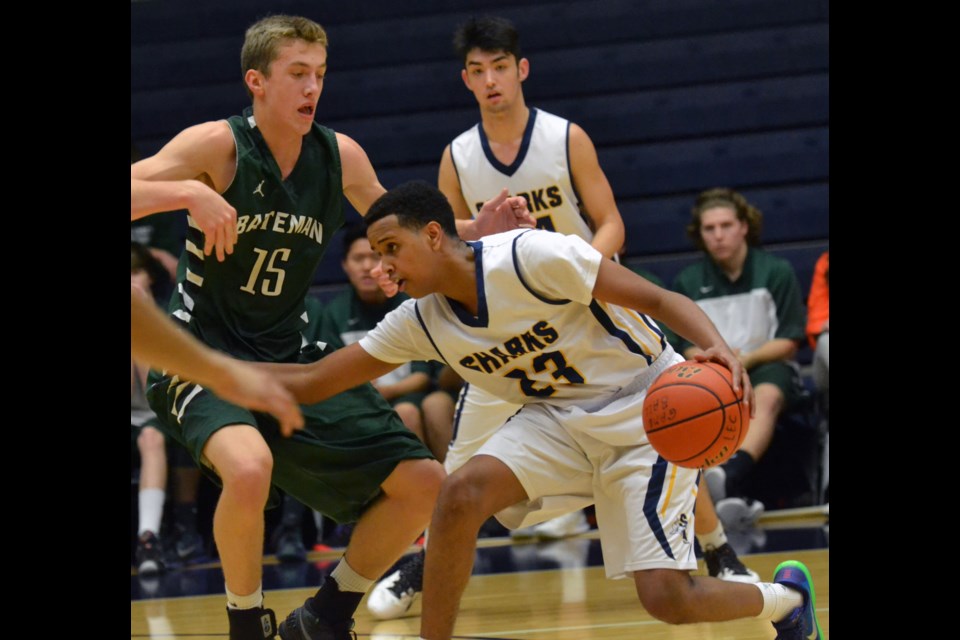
(463,76)
(254,81)
(523,67)
(434,233)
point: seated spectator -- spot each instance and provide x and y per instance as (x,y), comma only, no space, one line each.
(818,323)
(350,315)
(147,274)
(754,300)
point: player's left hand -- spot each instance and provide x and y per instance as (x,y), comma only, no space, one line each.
(741,380)
(388,286)
(503,213)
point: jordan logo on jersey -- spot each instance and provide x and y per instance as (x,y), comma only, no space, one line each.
(259,189)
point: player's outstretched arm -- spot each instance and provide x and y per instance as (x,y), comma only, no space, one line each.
(341,370)
(618,285)
(156,341)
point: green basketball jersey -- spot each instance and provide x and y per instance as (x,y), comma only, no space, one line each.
(252,304)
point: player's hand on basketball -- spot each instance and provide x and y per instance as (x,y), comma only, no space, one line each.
(388,286)
(503,213)
(215,217)
(741,380)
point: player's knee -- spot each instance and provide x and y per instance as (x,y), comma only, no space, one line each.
(666,595)
(150,441)
(462,498)
(410,415)
(769,399)
(249,475)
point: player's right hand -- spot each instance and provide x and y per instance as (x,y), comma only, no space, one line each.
(216,218)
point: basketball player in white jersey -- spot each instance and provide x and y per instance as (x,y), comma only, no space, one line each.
(552,163)
(544,321)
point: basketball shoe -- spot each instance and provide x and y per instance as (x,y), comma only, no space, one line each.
(722,562)
(739,514)
(801,623)
(394,595)
(252,624)
(301,624)
(149,554)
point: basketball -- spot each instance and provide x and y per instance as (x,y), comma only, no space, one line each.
(692,417)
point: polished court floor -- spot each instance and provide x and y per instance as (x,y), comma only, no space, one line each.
(519,591)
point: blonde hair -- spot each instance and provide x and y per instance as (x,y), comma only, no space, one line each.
(728,198)
(265,37)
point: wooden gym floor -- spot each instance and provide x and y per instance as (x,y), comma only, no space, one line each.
(519,591)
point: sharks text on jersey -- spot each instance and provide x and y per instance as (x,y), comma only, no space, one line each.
(536,339)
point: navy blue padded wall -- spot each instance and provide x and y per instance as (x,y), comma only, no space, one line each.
(678,95)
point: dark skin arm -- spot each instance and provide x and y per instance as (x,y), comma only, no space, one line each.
(618,285)
(344,369)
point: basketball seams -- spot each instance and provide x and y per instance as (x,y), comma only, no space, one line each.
(688,387)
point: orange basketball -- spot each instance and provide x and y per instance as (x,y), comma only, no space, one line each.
(692,416)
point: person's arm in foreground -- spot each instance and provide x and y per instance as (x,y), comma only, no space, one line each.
(156,341)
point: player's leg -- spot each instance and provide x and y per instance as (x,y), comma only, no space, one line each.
(482,487)
(438,410)
(676,597)
(720,557)
(530,470)
(220,436)
(477,415)
(151,498)
(242,460)
(355,461)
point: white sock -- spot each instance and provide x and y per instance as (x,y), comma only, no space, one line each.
(252,601)
(778,601)
(151,510)
(713,540)
(348,579)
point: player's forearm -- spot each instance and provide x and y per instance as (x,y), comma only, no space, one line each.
(687,320)
(772,351)
(155,340)
(149,196)
(343,369)
(413,383)
(609,238)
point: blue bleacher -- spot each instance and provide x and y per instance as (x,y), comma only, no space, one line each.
(677,95)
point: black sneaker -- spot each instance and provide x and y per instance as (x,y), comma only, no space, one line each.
(303,625)
(252,624)
(723,563)
(289,545)
(149,554)
(394,595)
(189,546)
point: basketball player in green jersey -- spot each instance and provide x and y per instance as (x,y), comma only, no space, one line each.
(285,176)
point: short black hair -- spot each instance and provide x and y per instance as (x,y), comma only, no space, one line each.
(351,233)
(416,204)
(487,33)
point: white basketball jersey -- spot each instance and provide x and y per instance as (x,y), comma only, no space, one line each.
(540,173)
(539,336)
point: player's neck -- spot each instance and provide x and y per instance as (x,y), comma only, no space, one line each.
(460,280)
(506,127)
(733,266)
(284,144)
